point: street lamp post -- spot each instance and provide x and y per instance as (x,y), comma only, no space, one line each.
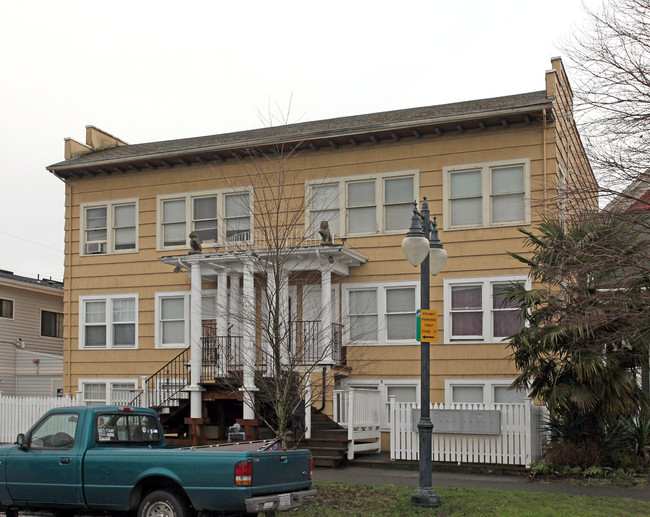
(422,247)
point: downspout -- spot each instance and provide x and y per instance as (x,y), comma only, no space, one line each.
(544,159)
(322,406)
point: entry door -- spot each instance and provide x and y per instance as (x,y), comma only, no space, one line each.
(49,471)
(316,336)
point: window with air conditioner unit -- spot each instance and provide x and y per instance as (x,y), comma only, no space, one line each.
(109,227)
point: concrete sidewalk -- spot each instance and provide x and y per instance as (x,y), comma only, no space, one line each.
(380,471)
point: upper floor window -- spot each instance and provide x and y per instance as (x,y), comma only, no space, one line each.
(214,216)
(381,314)
(358,205)
(51,324)
(108,321)
(476,311)
(487,194)
(6,308)
(109,227)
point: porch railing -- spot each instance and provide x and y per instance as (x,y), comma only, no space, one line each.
(221,354)
(312,347)
(359,411)
(257,239)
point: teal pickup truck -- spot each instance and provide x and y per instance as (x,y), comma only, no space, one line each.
(107,458)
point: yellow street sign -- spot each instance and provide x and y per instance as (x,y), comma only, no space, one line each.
(428,325)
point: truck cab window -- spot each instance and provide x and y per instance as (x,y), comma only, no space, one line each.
(123,428)
(57,431)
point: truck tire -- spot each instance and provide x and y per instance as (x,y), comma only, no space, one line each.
(162,503)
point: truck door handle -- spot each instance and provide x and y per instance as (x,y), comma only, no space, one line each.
(64,460)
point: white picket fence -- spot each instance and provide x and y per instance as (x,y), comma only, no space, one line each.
(18,414)
(520,441)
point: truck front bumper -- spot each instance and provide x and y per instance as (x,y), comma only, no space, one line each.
(279,502)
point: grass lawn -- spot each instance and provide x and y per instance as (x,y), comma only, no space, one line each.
(353,499)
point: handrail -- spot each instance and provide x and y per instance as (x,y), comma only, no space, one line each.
(166,382)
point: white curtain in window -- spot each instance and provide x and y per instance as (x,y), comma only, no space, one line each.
(398,198)
(400,313)
(325,207)
(362,211)
(237,214)
(363,315)
(172,312)
(465,195)
(467,394)
(124,224)
(174,222)
(503,395)
(508,194)
(205,218)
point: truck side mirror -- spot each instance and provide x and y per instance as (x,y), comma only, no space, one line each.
(20,440)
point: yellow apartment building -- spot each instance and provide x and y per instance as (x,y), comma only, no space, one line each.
(141,295)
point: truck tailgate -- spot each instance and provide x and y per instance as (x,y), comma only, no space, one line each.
(280,471)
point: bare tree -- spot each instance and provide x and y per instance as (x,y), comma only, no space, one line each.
(610,60)
(287,351)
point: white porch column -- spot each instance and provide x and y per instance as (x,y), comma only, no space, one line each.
(326,318)
(248,315)
(222,303)
(196,351)
(236,305)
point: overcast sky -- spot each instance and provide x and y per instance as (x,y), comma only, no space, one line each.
(158,70)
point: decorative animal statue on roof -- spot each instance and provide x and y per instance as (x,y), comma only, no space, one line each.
(325,234)
(195,243)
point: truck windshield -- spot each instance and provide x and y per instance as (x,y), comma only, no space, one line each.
(126,428)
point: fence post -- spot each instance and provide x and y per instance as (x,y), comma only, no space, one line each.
(528,426)
(393,426)
(351,421)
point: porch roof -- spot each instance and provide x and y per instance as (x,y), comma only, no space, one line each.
(307,258)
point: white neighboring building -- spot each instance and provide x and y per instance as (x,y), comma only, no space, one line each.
(31,335)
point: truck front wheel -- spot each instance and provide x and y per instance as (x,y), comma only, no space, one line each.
(161,503)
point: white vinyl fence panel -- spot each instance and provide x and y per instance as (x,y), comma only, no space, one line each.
(18,414)
(519,442)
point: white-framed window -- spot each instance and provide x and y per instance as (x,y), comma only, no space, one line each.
(363,205)
(404,390)
(381,313)
(214,215)
(482,391)
(172,319)
(106,392)
(108,321)
(109,227)
(476,311)
(480,195)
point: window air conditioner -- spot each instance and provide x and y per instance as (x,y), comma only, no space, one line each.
(95,247)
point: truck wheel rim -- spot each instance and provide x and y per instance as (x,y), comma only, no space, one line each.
(160,509)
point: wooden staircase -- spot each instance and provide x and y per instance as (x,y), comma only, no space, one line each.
(328,443)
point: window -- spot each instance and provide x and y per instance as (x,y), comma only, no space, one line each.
(51,324)
(381,203)
(110,227)
(126,428)
(108,321)
(172,319)
(57,432)
(476,311)
(487,194)
(215,216)
(6,308)
(404,390)
(482,391)
(381,314)
(102,392)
